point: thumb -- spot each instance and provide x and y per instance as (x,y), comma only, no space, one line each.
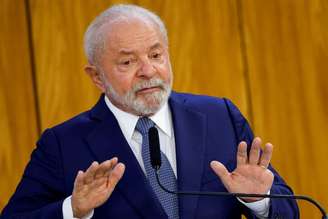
(221,171)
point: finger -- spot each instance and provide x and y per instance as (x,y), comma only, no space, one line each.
(78,183)
(254,154)
(99,184)
(242,153)
(115,175)
(90,173)
(105,167)
(266,155)
(221,171)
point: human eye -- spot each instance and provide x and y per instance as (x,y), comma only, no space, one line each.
(155,55)
(126,62)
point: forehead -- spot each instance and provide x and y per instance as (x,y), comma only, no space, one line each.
(132,34)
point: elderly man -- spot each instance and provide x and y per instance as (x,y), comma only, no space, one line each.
(74,171)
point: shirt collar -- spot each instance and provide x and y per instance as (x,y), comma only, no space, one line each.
(162,118)
(128,121)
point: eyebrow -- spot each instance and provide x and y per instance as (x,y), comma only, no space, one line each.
(155,46)
(129,52)
(126,52)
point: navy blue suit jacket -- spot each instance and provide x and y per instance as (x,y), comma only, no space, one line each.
(205,129)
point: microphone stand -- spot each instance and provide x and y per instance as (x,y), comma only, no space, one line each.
(155,157)
(243,195)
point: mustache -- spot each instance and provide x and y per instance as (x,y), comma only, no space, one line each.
(154,82)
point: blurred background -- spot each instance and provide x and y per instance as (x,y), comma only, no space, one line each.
(270,57)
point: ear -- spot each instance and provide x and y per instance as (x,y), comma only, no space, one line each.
(95,76)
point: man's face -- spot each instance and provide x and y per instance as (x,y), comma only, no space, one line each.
(135,67)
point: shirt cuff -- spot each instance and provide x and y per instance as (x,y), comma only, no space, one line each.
(259,208)
(68,211)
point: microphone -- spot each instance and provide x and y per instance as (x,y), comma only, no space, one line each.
(154,148)
(155,158)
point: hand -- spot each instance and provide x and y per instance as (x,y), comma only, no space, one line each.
(94,186)
(251,174)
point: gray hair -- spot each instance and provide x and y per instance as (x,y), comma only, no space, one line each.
(94,37)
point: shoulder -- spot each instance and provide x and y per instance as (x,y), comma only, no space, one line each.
(82,123)
(216,110)
(204,102)
(75,126)
(81,120)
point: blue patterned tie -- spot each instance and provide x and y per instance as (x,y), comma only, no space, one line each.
(168,201)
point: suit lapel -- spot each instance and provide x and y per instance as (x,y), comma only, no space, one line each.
(189,131)
(107,141)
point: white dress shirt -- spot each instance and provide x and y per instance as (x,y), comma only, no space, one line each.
(163,122)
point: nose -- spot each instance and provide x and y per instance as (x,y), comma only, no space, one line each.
(146,69)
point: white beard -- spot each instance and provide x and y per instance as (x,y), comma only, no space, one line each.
(147,105)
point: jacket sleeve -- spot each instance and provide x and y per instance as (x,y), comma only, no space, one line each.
(279,208)
(41,191)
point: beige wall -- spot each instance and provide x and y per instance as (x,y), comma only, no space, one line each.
(269,57)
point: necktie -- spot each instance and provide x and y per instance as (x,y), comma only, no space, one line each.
(168,201)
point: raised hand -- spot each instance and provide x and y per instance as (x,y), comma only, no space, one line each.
(251,174)
(94,186)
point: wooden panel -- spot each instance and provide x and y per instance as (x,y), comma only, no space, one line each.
(18,129)
(63,88)
(287,44)
(204,47)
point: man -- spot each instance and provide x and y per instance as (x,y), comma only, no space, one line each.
(203,141)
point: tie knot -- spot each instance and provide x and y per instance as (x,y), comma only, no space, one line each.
(144,124)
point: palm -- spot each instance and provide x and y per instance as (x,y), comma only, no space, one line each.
(251,174)
(94,194)
(250,179)
(94,187)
